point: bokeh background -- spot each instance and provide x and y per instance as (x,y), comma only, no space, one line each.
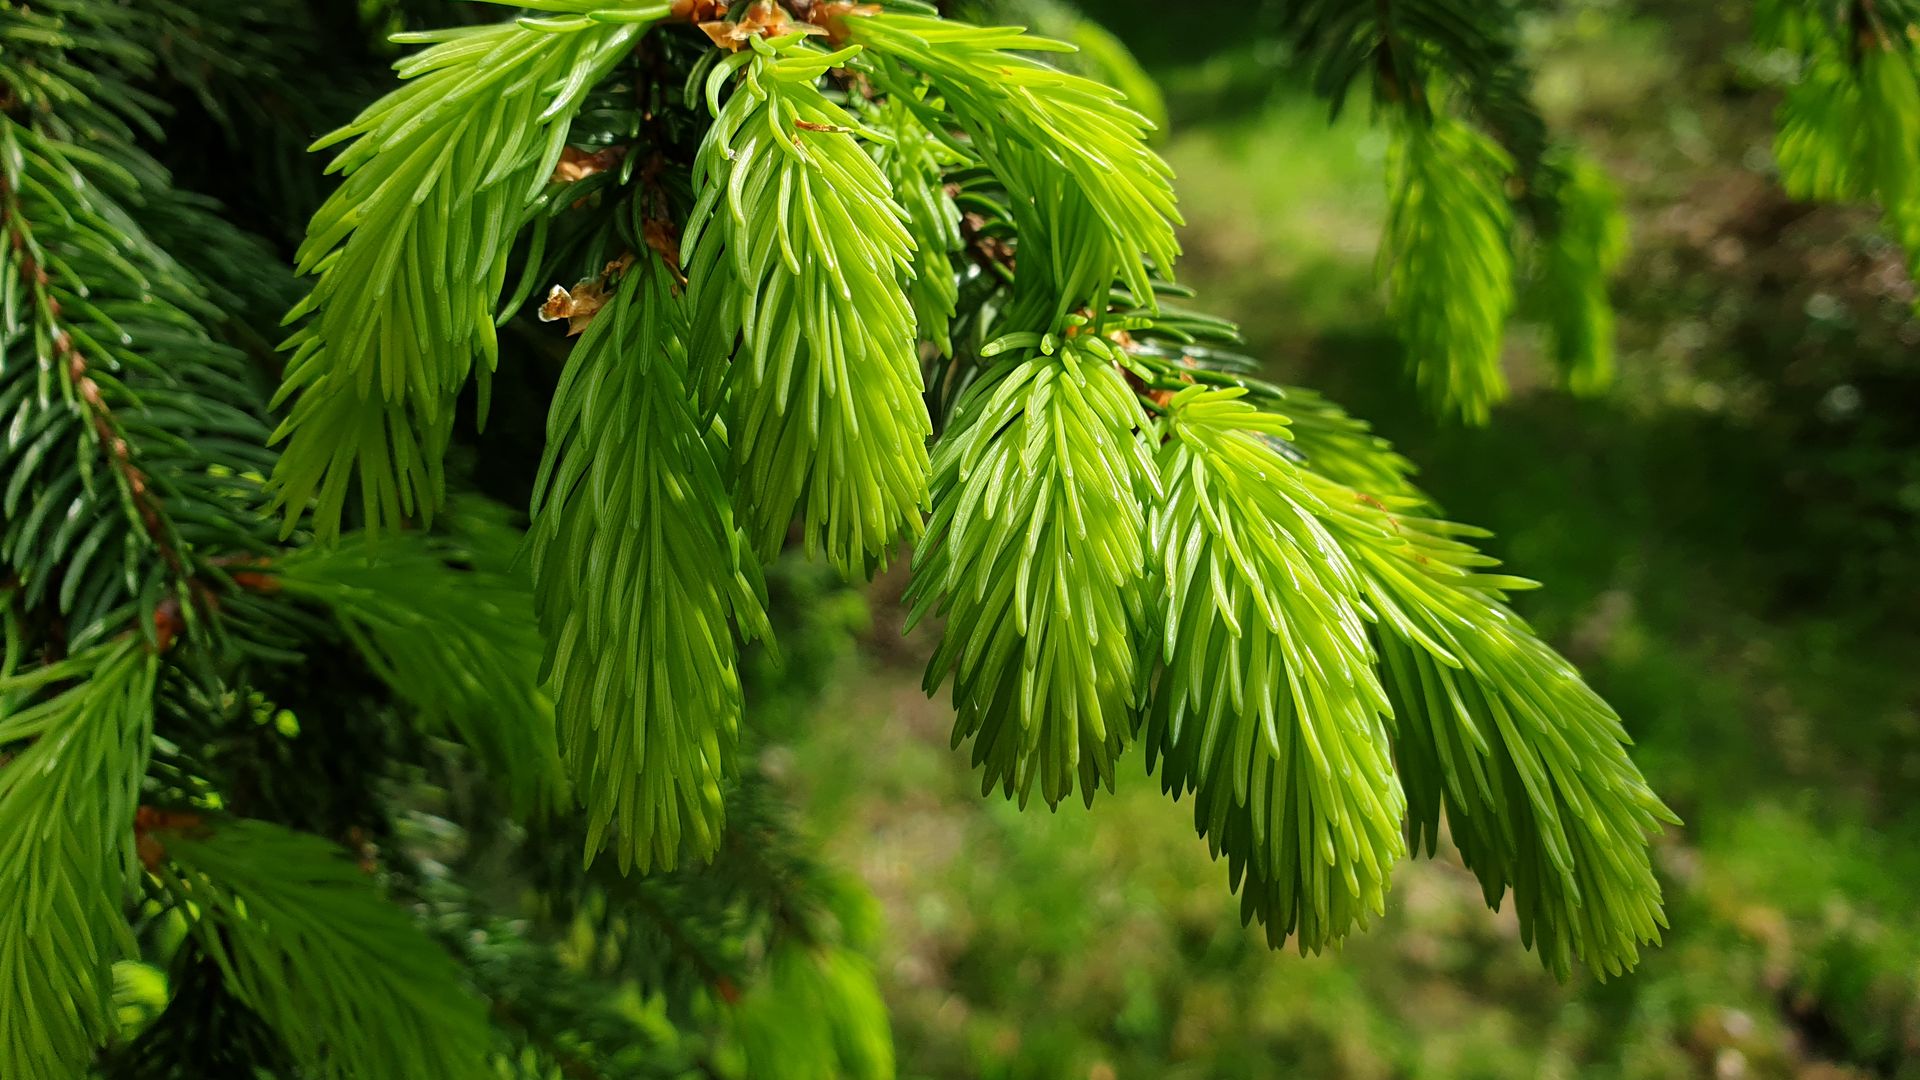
(1730,545)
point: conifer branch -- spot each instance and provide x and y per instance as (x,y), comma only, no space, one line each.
(1034,556)
(1529,764)
(640,578)
(411,253)
(1448,263)
(458,643)
(797,255)
(1268,708)
(1580,254)
(1850,126)
(132,425)
(76,734)
(1095,205)
(340,974)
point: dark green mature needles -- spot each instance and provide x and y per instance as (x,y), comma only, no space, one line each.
(459,643)
(67,803)
(1034,556)
(641,577)
(305,940)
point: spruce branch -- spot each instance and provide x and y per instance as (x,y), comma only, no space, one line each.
(1268,709)
(75,734)
(133,428)
(1448,262)
(411,253)
(916,164)
(459,643)
(1034,556)
(640,578)
(797,254)
(1529,764)
(304,939)
(1095,205)
(1586,245)
(1850,127)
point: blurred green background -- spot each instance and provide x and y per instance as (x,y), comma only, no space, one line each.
(1730,542)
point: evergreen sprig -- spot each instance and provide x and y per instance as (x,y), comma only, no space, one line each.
(1448,262)
(1268,709)
(1093,202)
(1850,125)
(798,250)
(411,253)
(641,578)
(1130,537)
(1473,158)
(1034,556)
(304,939)
(1530,765)
(133,434)
(1575,262)
(73,742)
(448,625)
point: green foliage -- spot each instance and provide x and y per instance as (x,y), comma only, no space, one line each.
(1530,764)
(304,939)
(1448,263)
(1034,556)
(916,163)
(1850,131)
(122,462)
(1096,204)
(874,211)
(640,577)
(1288,760)
(798,249)
(1472,154)
(1589,238)
(1403,42)
(459,643)
(817,1016)
(73,739)
(411,253)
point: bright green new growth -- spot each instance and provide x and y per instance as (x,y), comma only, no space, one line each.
(1240,568)
(67,801)
(1448,262)
(338,971)
(915,163)
(1094,203)
(1034,557)
(411,253)
(843,1034)
(1587,242)
(798,251)
(1268,709)
(1530,764)
(1478,176)
(1850,131)
(640,578)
